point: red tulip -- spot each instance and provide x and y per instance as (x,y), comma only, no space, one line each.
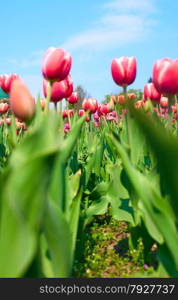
(165,76)
(124,70)
(56,64)
(164,101)
(4,108)
(6,82)
(22,103)
(81,113)
(174,108)
(73,98)
(150,92)
(90,104)
(103,109)
(67,113)
(60,90)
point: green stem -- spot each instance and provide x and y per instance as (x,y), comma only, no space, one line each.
(49,91)
(55,106)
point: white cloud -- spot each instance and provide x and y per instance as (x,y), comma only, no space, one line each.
(122,22)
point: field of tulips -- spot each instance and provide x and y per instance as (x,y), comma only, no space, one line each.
(89,192)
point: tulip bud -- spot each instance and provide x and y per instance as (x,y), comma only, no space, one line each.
(90,105)
(151,93)
(56,64)
(165,74)
(6,82)
(121,99)
(60,90)
(81,113)
(66,127)
(164,101)
(123,70)
(22,103)
(73,98)
(131,96)
(4,108)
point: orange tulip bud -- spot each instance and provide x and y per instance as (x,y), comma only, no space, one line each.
(22,103)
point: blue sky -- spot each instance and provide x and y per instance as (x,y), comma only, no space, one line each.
(94,32)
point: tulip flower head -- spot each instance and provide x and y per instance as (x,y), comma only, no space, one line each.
(90,105)
(22,103)
(164,101)
(81,113)
(151,93)
(165,76)
(4,108)
(56,64)
(103,109)
(60,90)
(6,82)
(73,98)
(124,70)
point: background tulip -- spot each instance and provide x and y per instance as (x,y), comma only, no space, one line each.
(164,101)
(56,64)
(73,98)
(81,113)
(90,104)
(6,82)
(165,76)
(22,103)
(4,108)
(103,109)
(123,70)
(150,92)
(60,90)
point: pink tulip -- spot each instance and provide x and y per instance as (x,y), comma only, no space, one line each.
(4,108)
(22,103)
(90,104)
(150,92)
(96,116)
(66,127)
(6,82)
(164,101)
(8,121)
(73,98)
(165,76)
(124,70)
(60,90)
(103,109)
(56,64)
(81,113)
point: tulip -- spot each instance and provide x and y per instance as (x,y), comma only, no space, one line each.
(110,117)
(164,101)
(121,99)
(131,96)
(67,113)
(103,109)
(6,82)
(174,108)
(8,121)
(90,105)
(150,92)
(22,103)
(43,103)
(4,108)
(124,70)
(73,98)
(81,113)
(66,127)
(96,116)
(60,90)
(56,64)
(165,76)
